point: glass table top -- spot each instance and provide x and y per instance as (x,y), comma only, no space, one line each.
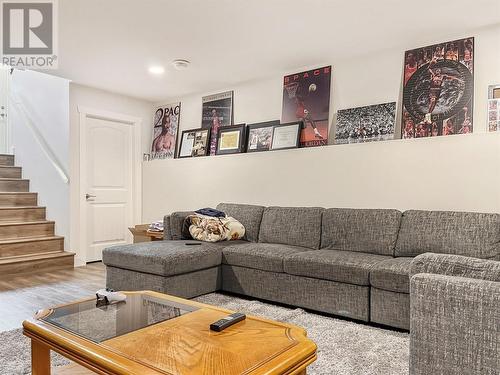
(102,322)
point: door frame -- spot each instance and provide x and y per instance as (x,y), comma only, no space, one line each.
(136,123)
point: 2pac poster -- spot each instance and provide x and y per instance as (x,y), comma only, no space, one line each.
(165,129)
(306,98)
(438,90)
(217,111)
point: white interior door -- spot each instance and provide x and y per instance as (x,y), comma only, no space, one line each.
(108,180)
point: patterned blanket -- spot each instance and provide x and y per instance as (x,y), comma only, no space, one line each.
(215,229)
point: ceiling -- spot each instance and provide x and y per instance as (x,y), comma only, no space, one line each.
(110,44)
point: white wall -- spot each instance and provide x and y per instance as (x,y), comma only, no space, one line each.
(452,173)
(45,100)
(102,101)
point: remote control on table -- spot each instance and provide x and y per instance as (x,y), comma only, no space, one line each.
(228,321)
(192,243)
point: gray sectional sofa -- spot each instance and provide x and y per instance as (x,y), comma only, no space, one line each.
(354,263)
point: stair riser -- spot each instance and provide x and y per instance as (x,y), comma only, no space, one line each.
(6,159)
(31,248)
(13,200)
(21,185)
(14,172)
(26,231)
(22,215)
(36,266)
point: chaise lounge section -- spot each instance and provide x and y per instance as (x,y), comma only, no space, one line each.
(354,263)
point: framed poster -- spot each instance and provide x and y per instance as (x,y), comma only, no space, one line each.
(438,90)
(366,124)
(231,139)
(260,136)
(286,136)
(165,129)
(494,108)
(306,98)
(217,111)
(194,143)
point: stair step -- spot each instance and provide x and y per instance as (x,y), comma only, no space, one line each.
(7,171)
(29,246)
(13,199)
(36,263)
(26,230)
(21,214)
(6,159)
(14,184)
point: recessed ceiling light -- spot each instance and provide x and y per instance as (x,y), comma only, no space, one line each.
(156,69)
(180,64)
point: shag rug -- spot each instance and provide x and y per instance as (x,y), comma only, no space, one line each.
(344,347)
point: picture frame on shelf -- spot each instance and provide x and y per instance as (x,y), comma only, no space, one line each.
(260,136)
(231,139)
(194,143)
(286,136)
(494,108)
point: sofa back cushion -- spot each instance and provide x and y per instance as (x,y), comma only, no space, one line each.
(372,231)
(176,225)
(461,233)
(296,226)
(248,215)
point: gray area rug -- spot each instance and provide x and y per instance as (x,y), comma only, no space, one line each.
(15,354)
(344,348)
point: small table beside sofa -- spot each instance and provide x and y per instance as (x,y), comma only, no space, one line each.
(355,263)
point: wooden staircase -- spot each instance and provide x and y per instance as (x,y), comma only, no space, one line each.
(27,240)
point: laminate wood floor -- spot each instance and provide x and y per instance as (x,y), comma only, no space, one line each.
(22,296)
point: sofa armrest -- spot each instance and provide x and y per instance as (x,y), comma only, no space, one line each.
(172,225)
(454,325)
(167,230)
(456,265)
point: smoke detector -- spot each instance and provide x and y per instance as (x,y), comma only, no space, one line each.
(180,64)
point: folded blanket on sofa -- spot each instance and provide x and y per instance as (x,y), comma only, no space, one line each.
(215,229)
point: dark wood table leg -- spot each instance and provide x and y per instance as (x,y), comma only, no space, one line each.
(40,358)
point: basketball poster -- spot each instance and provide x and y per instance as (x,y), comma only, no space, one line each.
(366,124)
(217,111)
(438,90)
(306,98)
(165,129)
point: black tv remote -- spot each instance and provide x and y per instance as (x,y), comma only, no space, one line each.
(192,243)
(228,321)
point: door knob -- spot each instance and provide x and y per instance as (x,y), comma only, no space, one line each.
(88,196)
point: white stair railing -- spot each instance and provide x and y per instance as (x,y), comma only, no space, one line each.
(20,107)
(5,136)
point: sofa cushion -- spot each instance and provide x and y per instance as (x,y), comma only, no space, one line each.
(248,215)
(262,256)
(343,266)
(367,230)
(165,258)
(296,226)
(392,275)
(461,233)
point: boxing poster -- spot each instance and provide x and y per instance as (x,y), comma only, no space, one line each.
(366,124)
(306,98)
(217,111)
(438,90)
(165,130)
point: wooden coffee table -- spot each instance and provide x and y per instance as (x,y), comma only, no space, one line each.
(153,333)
